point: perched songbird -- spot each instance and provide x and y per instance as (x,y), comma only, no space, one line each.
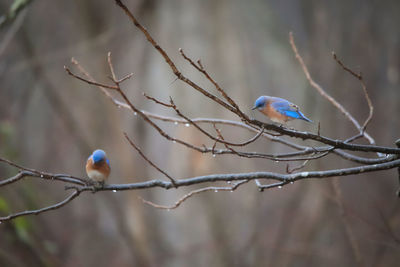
(98,166)
(278,109)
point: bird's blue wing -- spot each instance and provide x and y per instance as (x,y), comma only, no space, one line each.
(289,109)
(108,162)
(286,108)
(292,114)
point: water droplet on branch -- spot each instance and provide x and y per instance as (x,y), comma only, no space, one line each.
(304,174)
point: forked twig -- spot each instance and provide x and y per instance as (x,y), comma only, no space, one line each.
(363,86)
(195,192)
(148,160)
(38,211)
(299,167)
(324,93)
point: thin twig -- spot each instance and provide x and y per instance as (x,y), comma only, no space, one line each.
(157,101)
(209,135)
(301,166)
(262,187)
(102,89)
(195,192)
(363,160)
(328,141)
(363,86)
(38,211)
(201,69)
(89,81)
(173,67)
(145,117)
(148,160)
(28,172)
(13,179)
(323,92)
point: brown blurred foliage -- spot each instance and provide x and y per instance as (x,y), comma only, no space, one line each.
(51,122)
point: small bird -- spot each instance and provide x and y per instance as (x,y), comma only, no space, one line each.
(278,109)
(98,166)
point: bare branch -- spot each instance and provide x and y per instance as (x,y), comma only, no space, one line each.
(363,160)
(201,69)
(209,135)
(301,166)
(328,141)
(173,67)
(262,187)
(323,92)
(28,172)
(38,211)
(13,179)
(158,102)
(57,177)
(195,192)
(149,161)
(145,117)
(282,178)
(102,89)
(364,87)
(89,81)
(250,176)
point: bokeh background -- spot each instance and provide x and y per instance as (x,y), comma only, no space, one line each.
(52,122)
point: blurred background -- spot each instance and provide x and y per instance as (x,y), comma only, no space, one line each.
(52,122)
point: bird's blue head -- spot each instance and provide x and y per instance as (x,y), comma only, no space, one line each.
(260,102)
(98,156)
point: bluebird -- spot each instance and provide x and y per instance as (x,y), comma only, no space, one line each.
(98,166)
(278,109)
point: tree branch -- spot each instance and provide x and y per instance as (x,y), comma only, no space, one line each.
(148,161)
(323,92)
(38,211)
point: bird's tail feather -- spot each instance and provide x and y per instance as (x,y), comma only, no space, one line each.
(304,118)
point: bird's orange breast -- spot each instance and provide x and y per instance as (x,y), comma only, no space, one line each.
(99,171)
(273,114)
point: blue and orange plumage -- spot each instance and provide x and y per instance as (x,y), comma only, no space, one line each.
(98,166)
(278,109)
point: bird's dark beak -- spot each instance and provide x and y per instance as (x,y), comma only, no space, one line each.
(254,108)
